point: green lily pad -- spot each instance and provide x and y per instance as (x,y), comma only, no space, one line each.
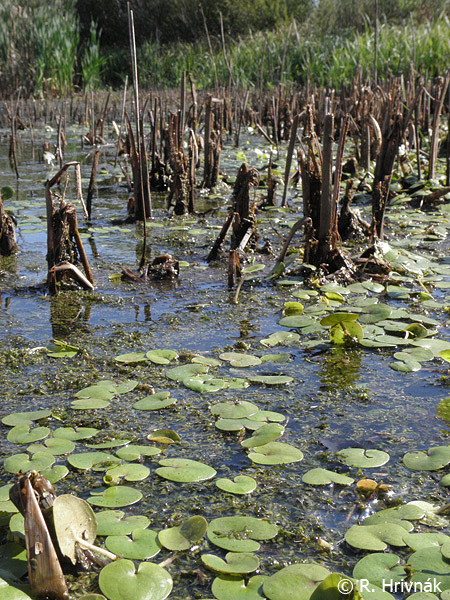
(164,436)
(375,537)
(379,568)
(429,565)
(115,497)
(362,458)
(114,522)
(144,544)
(22,434)
(10,591)
(405,366)
(403,513)
(206,360)
(280,338)
(253,268)
(19,418)
(204,383)
(295,582)
(184,536)
(70,433)
(136,452)
(55,473)
(375,312)
(237,359)
(114,443)
(445,481)
(121,581)
(293,308)
(319,476)
(126,472)
(279,357)
(296,321)
(240,534)
(89,460)
(184,371)
(56,446)
(90,404)
(161,357)
(265,434)
(336,587)
(22,463)
(346,332)
(184,470)
(131,357)
(431,460)
(271,379)
(229,587)
(13,561)
(97,392)
(419,541)
(443,409)
(241,484)
(338,317)
(234,563)
(276,453)
(230,424)
(234,410)
(155,401)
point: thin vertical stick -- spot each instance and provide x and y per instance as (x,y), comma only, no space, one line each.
(435,129)
(210,47)
(447,150)
(375,57)
(182,109)
(122,115)
(326,210)
(90,192)
(241,118)
(230,73)
(289,158)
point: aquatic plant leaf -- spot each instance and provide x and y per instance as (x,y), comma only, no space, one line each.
(164,436)
(116,496)
(131,357)
(121,581)
(346,332)
(431,460)
(429,564)
(293,308)
(404,513)
(55,446)
(55,473)
(127,472)
(143,545)
(97,392)
(295,582)
(184,371)
(23,463)
(276,453)
(161,357)
(234,410)
(70,433)
(419,541)
(230,424)
(445,481)
(90,403)
(204,383)
(338,317)
(114,522)
(240,534)
(435,345)
(206,360)
(135,452)
(415,353)
(405,366)
(125,386)
(253,268)
(280,338)
(155,401)
(263,435)
(89,460)
(375,537)
(375,313)
(74,520)
(238,359)
(10,591)
(22,434)
(232,587)
(109,444)
(6,192)
(13,562)
(296,321)
(271,379)
(279,357)
(433,515)
(234,563)
(184,470)
(379,568)
(336,587)
(184,536)
(241,484)
(20,418)
(267,415)
(363,458)
(319,476)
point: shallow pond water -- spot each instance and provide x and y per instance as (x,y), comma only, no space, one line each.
(339,397)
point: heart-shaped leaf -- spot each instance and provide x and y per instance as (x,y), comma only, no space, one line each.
(74,521)
(121,581)
(320,476)
(22,434)
(234,563)
(275,453)
(184,536)
(114,522)
(238,359)
(295,582)
(363,458)
(144,544)
(229,587)
(19,418)
(240,534)
(134,452)
(263,435)
(80,433)
(155,401)
(126,472)
(184,470)
(241,484)
(161,357)
(430,460)
(234,410)
(22,463)
(115,497)
(375,537)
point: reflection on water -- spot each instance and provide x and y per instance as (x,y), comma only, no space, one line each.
(340,367)
(69,313)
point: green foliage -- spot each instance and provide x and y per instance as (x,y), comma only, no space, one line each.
(92,63)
